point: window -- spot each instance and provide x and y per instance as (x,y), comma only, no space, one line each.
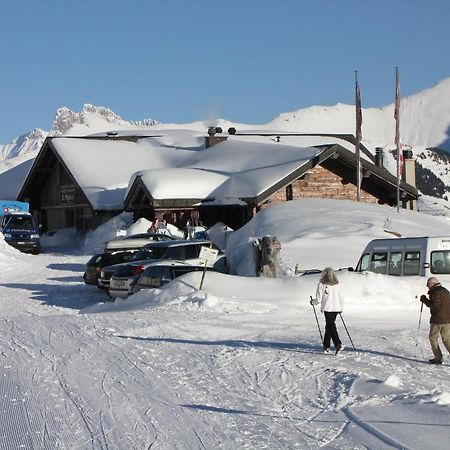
(151,277)
(175,253)
(412,263)
(440,262)
(192,251)
(363,263)
(166,275)
(395,263)
(378,264)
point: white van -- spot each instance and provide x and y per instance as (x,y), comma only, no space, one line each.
(414,256)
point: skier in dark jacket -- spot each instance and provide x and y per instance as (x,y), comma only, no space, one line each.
(438,301)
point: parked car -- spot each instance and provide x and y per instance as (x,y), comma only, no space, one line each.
(180,250)
(162,272)
(136,241)
(155,274)
(100,260)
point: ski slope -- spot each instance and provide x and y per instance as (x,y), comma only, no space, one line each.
(237,365)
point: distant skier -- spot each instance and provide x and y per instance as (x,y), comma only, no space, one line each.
(439,304)
(331,304)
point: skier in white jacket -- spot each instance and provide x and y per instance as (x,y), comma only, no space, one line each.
(331,303)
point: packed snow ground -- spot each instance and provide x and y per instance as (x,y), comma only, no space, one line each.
(236,365)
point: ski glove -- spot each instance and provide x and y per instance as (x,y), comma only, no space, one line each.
(423,298)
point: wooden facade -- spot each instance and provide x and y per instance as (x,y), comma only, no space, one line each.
(55,197)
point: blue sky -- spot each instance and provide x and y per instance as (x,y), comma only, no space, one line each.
(242,60)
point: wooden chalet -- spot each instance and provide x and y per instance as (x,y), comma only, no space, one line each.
(72,183)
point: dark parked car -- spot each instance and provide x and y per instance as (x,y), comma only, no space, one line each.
(100,260)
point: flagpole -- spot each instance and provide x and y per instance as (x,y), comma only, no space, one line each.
(397,132)
(358,137)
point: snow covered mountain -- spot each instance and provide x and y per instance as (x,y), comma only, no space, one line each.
(90,119)
(26,144)
(424,120)
(424,126)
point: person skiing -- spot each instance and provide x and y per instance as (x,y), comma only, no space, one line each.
(331,304)
(438,301)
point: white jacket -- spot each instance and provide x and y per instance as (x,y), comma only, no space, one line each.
(329,298)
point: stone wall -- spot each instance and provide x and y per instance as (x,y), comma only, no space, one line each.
(321,183)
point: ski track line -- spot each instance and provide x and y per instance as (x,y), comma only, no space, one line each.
(16,431)
(285,402)
(106,378)
(33,411)
(374,432)
(146,388)
(204,385)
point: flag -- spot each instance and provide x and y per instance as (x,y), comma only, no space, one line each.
(397,112)
(358,112)
(358,136)
(397,133)
(401,162)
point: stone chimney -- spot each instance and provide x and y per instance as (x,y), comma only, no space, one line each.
(409,167)
(409,174)
(379,157)
(212,139)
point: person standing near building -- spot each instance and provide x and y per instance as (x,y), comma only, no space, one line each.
(438,301)
(331,304)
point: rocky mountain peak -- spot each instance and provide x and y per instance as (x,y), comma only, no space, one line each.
(66,119)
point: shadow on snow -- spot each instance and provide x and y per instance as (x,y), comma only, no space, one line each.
(295,347)
(77,296)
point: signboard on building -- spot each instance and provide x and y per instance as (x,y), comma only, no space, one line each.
(67,194)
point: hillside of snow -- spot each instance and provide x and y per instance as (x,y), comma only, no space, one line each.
(424,120)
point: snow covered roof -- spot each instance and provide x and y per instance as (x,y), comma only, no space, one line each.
(226,173)
(177,166)
(102,167)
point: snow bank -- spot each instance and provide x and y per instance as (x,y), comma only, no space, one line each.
(316,233)
(94,241)
(66,237)
(363,293)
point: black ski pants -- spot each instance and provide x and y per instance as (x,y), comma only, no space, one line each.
(330,330)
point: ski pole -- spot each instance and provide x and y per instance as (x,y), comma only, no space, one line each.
(317,320)
(418,327)
(348,334)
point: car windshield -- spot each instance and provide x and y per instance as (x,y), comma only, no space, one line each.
(20,221)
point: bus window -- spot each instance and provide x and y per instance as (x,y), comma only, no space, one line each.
(378,264)
(395,263)
(440,262)
(363,264)
(412,263)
